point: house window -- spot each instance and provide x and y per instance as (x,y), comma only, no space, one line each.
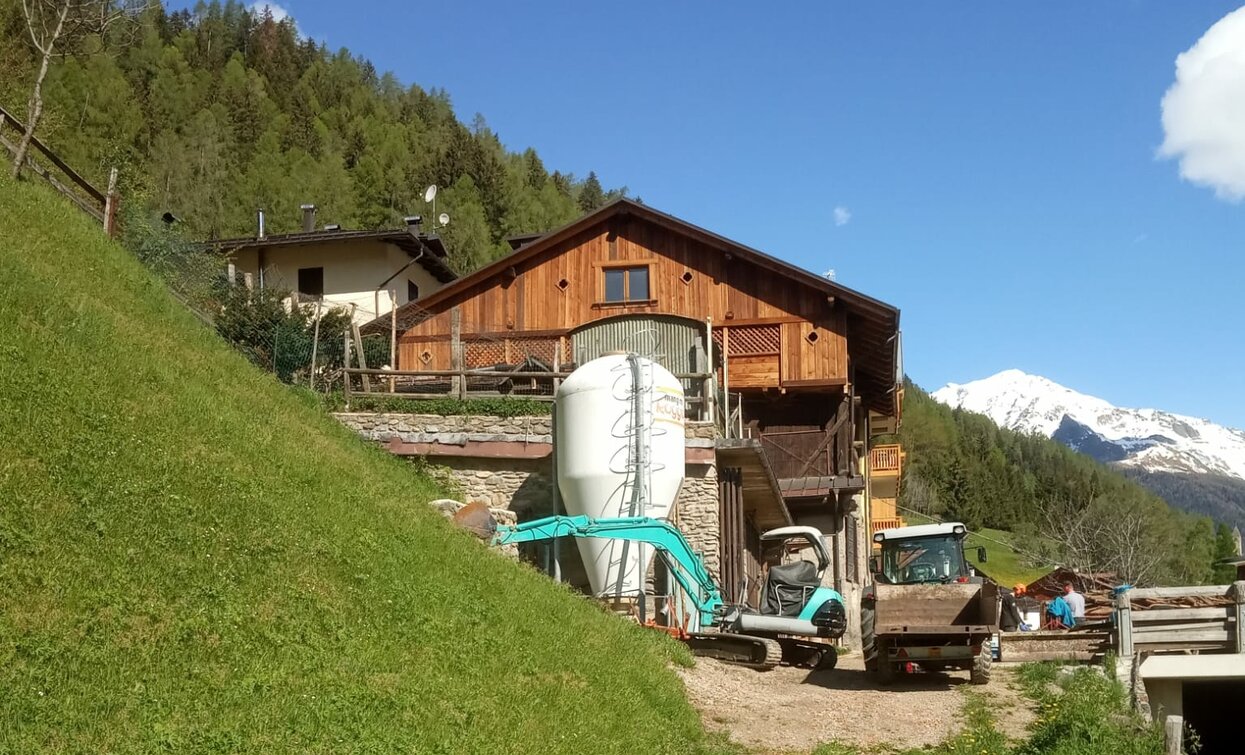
(412,291)
(311,282)
(623,284)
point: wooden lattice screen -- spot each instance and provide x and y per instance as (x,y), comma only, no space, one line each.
(751,340)
(487,352)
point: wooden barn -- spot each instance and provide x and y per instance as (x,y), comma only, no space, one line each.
(783,361)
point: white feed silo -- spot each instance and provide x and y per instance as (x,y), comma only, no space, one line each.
(620,452)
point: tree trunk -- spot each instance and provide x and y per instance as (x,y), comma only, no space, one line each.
(35,109)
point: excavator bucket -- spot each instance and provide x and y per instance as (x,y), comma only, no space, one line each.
(477,519)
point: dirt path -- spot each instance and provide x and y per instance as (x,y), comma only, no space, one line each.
(794,710)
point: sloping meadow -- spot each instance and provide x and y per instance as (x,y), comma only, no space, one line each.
(195,558)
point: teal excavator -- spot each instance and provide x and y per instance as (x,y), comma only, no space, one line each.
(796,609)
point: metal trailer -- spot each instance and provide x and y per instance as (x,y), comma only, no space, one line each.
(926,609)
(933,627)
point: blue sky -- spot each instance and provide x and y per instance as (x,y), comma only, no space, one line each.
(994,168)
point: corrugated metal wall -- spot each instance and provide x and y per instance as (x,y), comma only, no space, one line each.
(677,343)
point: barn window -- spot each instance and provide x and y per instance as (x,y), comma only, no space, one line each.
(624,284)
(412,291)
(311,282)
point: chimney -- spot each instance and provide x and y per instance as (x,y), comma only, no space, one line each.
(413,222)
(309,218)
(260,223)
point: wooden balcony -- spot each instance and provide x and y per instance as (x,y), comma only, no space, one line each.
(886,460)
(885,524)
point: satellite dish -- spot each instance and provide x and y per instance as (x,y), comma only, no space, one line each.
(430,193)
(444,218)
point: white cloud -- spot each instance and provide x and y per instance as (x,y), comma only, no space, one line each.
(842,215)
(1204,110)
(279,14)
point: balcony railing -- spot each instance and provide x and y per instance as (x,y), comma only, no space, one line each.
(885,459)
(886,524)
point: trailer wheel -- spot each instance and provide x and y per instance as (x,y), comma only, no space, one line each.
(980,673)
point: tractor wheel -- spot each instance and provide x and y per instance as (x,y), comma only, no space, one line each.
(980,673)
(868,641)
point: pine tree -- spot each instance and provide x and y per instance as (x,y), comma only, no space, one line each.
(591,195)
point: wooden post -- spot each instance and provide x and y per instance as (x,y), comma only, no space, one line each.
(393,333)
(458,383)
(1124,642)
(358,346)
(345,368)
(709,382)
(1237,591)
(726,384)
(231,274)
(315,343)
(110,205)
(1124,623)
(557,367)
(1173,735)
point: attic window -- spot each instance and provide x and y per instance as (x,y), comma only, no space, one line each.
(563,284)
(812,336)
(626,284)
(686,277)
(412,291)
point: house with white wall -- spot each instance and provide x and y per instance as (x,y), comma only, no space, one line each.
(370,272)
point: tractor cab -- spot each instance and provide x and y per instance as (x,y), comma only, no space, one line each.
(923,554)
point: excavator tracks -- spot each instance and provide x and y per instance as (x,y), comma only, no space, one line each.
(738,649)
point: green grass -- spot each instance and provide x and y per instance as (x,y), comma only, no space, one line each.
(196,559)
(502,406)
(1003,563)
(1085,715)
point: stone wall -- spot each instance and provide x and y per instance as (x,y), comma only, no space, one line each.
(524,486)
(696,514)
(452,430)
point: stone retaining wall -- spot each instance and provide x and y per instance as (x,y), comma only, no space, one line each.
(525,486)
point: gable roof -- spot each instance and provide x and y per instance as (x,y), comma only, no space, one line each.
(434,259)
(873,325)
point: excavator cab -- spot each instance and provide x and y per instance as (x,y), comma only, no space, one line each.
(789,586)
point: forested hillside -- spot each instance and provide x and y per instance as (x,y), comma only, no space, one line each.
(1068,507)
(215,112)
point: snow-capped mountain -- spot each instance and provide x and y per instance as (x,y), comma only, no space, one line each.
(1147,439)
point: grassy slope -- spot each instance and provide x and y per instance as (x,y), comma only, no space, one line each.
(194,558)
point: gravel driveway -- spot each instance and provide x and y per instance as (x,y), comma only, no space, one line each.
(794,710)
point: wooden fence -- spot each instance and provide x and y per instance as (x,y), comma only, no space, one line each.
(101,205)
(1160,618)
(1199,619)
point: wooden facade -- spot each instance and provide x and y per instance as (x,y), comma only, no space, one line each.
(773,331)
(801,361)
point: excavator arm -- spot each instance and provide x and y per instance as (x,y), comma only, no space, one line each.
(686,566)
